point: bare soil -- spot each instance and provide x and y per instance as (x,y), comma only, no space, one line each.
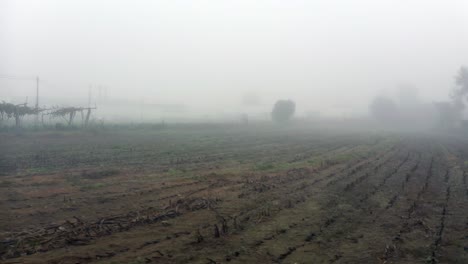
(237,195)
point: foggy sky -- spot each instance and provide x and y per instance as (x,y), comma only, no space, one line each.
(322,54)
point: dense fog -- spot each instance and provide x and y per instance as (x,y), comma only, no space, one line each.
(233,131)
(214,60)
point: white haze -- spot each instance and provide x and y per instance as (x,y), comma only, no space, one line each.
(328,56)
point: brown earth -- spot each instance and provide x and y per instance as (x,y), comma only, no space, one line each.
(237,195)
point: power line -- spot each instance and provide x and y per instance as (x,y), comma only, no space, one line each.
(16,77)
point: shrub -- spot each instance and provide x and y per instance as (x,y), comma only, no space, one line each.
(283,110)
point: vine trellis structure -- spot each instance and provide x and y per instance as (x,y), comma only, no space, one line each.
(19,111)
(16,111)
(69,113)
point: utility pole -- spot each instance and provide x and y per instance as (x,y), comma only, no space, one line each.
(37,99)
(89,95)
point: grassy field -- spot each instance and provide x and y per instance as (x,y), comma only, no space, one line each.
(225,193)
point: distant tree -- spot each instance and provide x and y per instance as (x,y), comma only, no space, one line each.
(383,109)
(283,110)
(462,78)
(451,113)
(460,92)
